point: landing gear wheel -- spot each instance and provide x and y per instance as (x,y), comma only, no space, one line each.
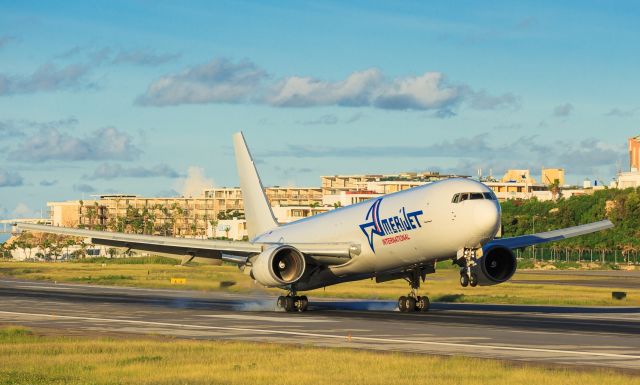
(304,303)
(473,280)
(464,280)
(411,304)
(422,304)
(281,302)
(300,303)
(289,304)
(402,304)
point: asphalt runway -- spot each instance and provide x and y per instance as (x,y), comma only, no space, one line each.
(581,336)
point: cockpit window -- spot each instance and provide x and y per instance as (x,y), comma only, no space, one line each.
(489,196)
(457,198)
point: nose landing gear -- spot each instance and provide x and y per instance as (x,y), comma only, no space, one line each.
(466,261)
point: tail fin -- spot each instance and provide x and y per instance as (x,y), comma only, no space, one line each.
(257,210)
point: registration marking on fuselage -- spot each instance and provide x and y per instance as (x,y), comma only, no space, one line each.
(241,317)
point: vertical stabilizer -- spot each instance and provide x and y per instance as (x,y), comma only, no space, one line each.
(257,210)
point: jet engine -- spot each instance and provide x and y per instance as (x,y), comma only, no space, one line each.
(497,265)
(278,266)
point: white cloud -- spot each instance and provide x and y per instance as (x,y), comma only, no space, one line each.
(106,143)
(223,81)
(112,171)
(355,90)
(219,81)
(10,178)
(195,182)
(23,211)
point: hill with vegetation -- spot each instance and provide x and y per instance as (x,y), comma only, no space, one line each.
(622,207)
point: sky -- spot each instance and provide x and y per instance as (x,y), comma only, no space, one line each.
(142,97)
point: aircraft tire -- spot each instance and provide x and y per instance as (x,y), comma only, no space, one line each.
(410,305)
(402,304)
(304,302)
(280,303)
(473,280)
(289,304)
(423,303)
(464,280)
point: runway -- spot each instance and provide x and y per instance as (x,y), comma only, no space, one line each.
(582,336)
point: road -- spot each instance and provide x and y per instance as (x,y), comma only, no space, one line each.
(582,336)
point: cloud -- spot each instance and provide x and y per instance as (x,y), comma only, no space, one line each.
(112,171)
(83,188)
(106,143)
(19,128)
(563,110)
(292,171)
(224,81)
(10,178)
(6,39)
(330,119)
(195,182)
(47,183)
(22,210)
(144,58)
(588,157)
(617,112)
(482,101)
(219,81)
(461,147)
(47,78)
(356,90)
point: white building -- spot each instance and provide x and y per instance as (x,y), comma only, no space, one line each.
(628,179)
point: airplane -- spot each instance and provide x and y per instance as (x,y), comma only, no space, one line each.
(396,236)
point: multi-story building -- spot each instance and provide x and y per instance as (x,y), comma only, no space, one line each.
(634,154)
(550,176)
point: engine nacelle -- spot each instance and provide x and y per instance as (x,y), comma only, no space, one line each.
(278,266)
(497,265)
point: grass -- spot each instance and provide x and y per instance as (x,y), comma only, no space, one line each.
(32,359)
(442,286)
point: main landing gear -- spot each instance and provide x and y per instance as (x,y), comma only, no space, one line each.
(291,302)
(466,262)
(413,302)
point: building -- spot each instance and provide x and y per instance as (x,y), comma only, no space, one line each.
(518,176)
(344,190)
(632,177)
(634,154)
(220,210)
(552,175)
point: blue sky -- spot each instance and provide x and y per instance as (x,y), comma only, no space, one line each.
(142,97)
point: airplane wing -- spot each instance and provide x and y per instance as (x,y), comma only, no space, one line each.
(203,248)
(549,236)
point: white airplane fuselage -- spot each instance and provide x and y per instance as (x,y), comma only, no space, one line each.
(401,229)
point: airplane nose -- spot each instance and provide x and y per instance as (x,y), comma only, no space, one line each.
(486,215)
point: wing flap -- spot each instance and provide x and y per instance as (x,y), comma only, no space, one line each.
(550,236)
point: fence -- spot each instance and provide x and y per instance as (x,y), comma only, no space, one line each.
(568,254)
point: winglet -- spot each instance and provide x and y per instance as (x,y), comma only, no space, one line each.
(257,210)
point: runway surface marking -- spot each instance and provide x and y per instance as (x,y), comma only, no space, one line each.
(332,336)
(40,287)
(263,318)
